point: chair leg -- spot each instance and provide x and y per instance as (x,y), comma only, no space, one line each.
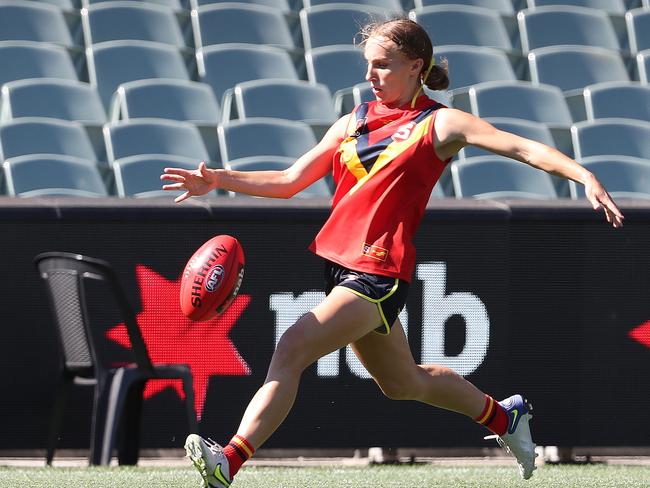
(62,392)
(129,431)
(117,398)
(98,428)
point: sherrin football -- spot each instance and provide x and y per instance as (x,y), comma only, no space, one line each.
(211,278)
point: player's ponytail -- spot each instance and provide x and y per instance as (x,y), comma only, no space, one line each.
(437,76)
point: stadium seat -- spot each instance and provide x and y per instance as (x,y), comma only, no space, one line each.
(571,68)
(281,5)
(273,137)
(623,137)
(524,128)
(609,6)
(166,99)
(128,20)
(471,65)
(112,63)
(30,59)
(503,7)
(643,66)
(176,5)
(623,176)
(463,25)
(615,10)
(139,176)
(565,25)
(523,100)
(171,99)
(638,29)
(282,99)
(51,174)
(520,99)
(335,24)
(154,136)
(39,135)
(575,67)
(336,67)
(499,177)
(392,5)
(261,163)
(240,23)
(80,289)
(33,21)
(51,97)
(628,100)
(223,66)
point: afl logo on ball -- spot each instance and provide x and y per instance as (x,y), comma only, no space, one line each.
(215,278)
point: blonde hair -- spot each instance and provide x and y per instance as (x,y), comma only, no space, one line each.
(413,42)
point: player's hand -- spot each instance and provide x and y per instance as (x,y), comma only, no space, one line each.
(196,182)
(599,198)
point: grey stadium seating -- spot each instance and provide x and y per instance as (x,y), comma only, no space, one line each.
(565,25)
(166,99)
(259,163)
(624,137)
(499,177)
(329,25)
(223,66)
(33,21)
(273,137)
(623,176)
(240,23)
(53,175)
(40,135)
(154,136)
(114,62)
(128,20)
(32,59)
(51,97)
(629,100)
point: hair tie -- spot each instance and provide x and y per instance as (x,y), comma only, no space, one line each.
(424,79)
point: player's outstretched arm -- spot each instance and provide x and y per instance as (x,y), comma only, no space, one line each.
(307,169)
(456,129)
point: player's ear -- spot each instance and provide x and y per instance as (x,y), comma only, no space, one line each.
(416,66)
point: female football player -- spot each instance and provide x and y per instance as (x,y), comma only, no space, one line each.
(386,156)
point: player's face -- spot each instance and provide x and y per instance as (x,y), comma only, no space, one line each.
(392,76)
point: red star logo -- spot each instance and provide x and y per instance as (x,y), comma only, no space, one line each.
(173,338)
(641,334)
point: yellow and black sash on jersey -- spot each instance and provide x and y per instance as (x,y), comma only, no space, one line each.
(364,159)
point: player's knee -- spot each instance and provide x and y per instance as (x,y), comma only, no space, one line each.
(397,389)
(290,352)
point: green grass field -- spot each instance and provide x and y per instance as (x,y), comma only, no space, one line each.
(354,477)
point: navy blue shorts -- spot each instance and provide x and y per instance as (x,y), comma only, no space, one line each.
(388,293)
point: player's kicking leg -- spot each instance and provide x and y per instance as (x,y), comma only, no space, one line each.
(389,360)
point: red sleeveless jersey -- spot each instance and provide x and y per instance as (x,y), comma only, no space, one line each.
(384,172)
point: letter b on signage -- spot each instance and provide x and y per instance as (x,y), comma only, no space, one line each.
(438,307)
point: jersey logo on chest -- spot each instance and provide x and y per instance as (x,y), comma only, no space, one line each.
(368,149)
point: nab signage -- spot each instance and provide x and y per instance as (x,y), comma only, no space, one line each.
(438,306)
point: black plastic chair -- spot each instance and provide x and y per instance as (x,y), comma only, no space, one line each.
(117,390)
